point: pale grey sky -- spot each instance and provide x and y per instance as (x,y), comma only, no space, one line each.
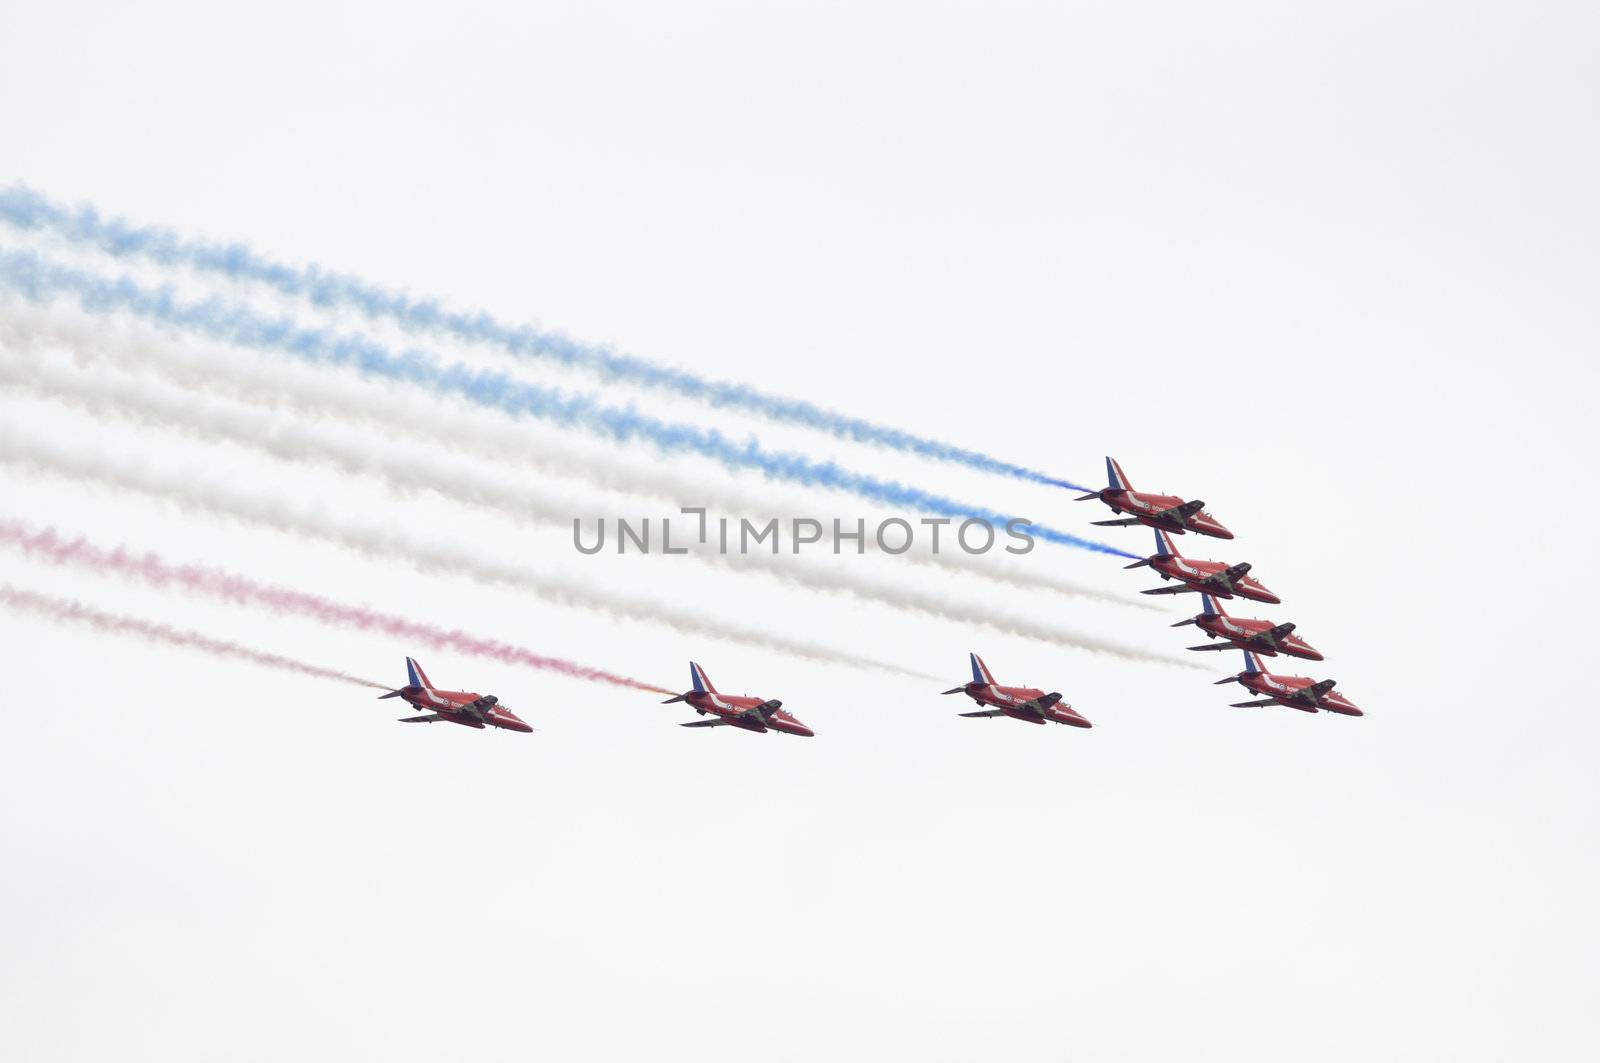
(1331,269)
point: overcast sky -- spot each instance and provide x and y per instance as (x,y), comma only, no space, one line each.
(1331,269)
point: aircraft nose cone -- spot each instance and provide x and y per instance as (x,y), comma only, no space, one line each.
(789,725)
(1070,716)
(512,722)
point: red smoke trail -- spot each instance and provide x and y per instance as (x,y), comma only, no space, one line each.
(151,568)
(68,611)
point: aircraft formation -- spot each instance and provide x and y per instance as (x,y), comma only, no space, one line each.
(1168,515)
(68,318)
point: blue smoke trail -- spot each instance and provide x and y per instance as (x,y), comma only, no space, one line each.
(39,280)
(29,210)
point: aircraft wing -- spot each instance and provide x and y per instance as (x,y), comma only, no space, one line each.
(429,718)
(1125,523)
(1182,588)
(705,723)
(1253,704)
(985,712)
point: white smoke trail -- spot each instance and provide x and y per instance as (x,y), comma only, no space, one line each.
(182,488)
(335,397)
(617,425)
(67,611)
(415,471)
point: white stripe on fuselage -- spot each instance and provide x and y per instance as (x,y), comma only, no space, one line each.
(1006,699)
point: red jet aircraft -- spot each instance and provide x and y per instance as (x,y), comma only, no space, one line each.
(1262,636)
(1290,691)
(1167,512)
(1216,578)
(1019,703)
(456,706)
(752,714)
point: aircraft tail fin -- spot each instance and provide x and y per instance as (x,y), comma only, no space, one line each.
(1209,604)
(1114,476)
(1251,664)
(415,674)
(1164,547)
(702,685)
(391,694)
(980,671)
